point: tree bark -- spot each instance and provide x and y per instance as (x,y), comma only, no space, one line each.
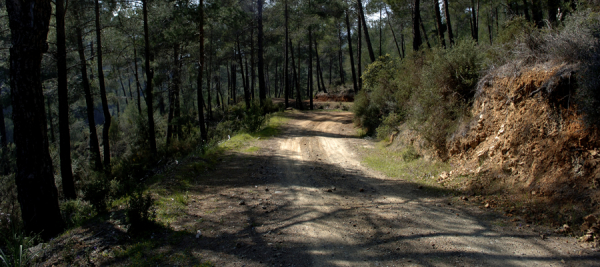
(50,121)
(424,33)
(244,78)
(149,77)
(286,70)
(3,139)
(38,197)
(261,61)
(137,80)
(107,117)
(340,56)
(438,21)
(66,171)
(319,70)
(394,33)
(89,103)
(203,133)
(366,30)
(297,82)
(354,82)
(310,68)
(416,20)
(359,53)
(448,24)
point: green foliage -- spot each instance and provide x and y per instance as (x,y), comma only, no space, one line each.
(515,29)
(429,90)
(140,211)
(253,119)
(76,212)
(17,246)
(96,191)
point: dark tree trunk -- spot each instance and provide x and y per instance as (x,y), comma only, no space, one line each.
(261,61)
(354,82)
(137,81)
(203,133)
(107,117)
(380,34)
(66,172)
(394,33)
(536,10)
(319,70)
(209,87)
(244,78)
(233,84)
(3,140)
(297,81)
(287,61)
(310,68)
(118,71)
(366,30)
(171,93)
(438,21)
(475,20)
(424,33)
(416,20)
(50,121)
(448,24)
(525,10)
(552,11)
(359,53)
(149,77)
(29,22)
(340,56)
(252,70)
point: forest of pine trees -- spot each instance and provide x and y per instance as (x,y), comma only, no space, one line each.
(108,88)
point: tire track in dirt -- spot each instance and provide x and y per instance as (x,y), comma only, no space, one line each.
(390,223)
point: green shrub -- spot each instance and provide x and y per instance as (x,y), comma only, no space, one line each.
(388,125)
(96,191)
(253,119)
(75,212)
(140,211)
(17,246)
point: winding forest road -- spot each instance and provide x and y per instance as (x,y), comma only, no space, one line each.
(306,200)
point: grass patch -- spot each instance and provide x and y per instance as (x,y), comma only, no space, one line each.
(405,164)
(251,149)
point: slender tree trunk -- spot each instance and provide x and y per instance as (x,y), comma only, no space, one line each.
(354,82)
(171,92)
(29,23)
(244,78)
(448,24)
(310,68)
(89,102)
(474,21)
(149,77)
(319,70)
(261,61)
(297,80)
(330,68)
(552,11)
(203,133)
(380,34)
(340,56)
(209,86)
(252,69)
(424,33)
(394,33)
(416,20)
(438,21)
(286,70)
(107,117)
(366,30)
(525,10)
(137,80)
(118,71)
(66,172)
(234,83)
(359,52)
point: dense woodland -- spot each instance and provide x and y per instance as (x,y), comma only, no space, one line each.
(95,94)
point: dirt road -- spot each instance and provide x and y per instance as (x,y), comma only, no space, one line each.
(304,199)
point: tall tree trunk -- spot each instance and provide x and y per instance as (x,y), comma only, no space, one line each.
(394,33)
(149,77)
(366,30)
(359,53)
(171,91)
(66,172)
(286,70)
(252,69)
(310,68)
(203,133)
(209,86)
(261,61)
(448,24)
(536,10)
(424,33)
(525,10)
(118,71)
(552,11)
(137,80)
(234,84)
(107,117)
(354,82)
(29,22)
(438,21)
(416,20)
(319,70)
(296,78)
(89,103)
(475,20)
(340,56)
(244,78)
(380,34)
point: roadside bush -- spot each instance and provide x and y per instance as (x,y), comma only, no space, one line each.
(253,118)
(388,125)
(96,191)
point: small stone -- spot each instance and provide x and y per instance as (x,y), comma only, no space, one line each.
(465,198)
(361,190)
(198,234)
(487,205)
(587,238)
(242,203)
(266,189)
(329,190)
(264,207)
(420,187)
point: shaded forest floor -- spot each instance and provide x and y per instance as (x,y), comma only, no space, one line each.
(304,198)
